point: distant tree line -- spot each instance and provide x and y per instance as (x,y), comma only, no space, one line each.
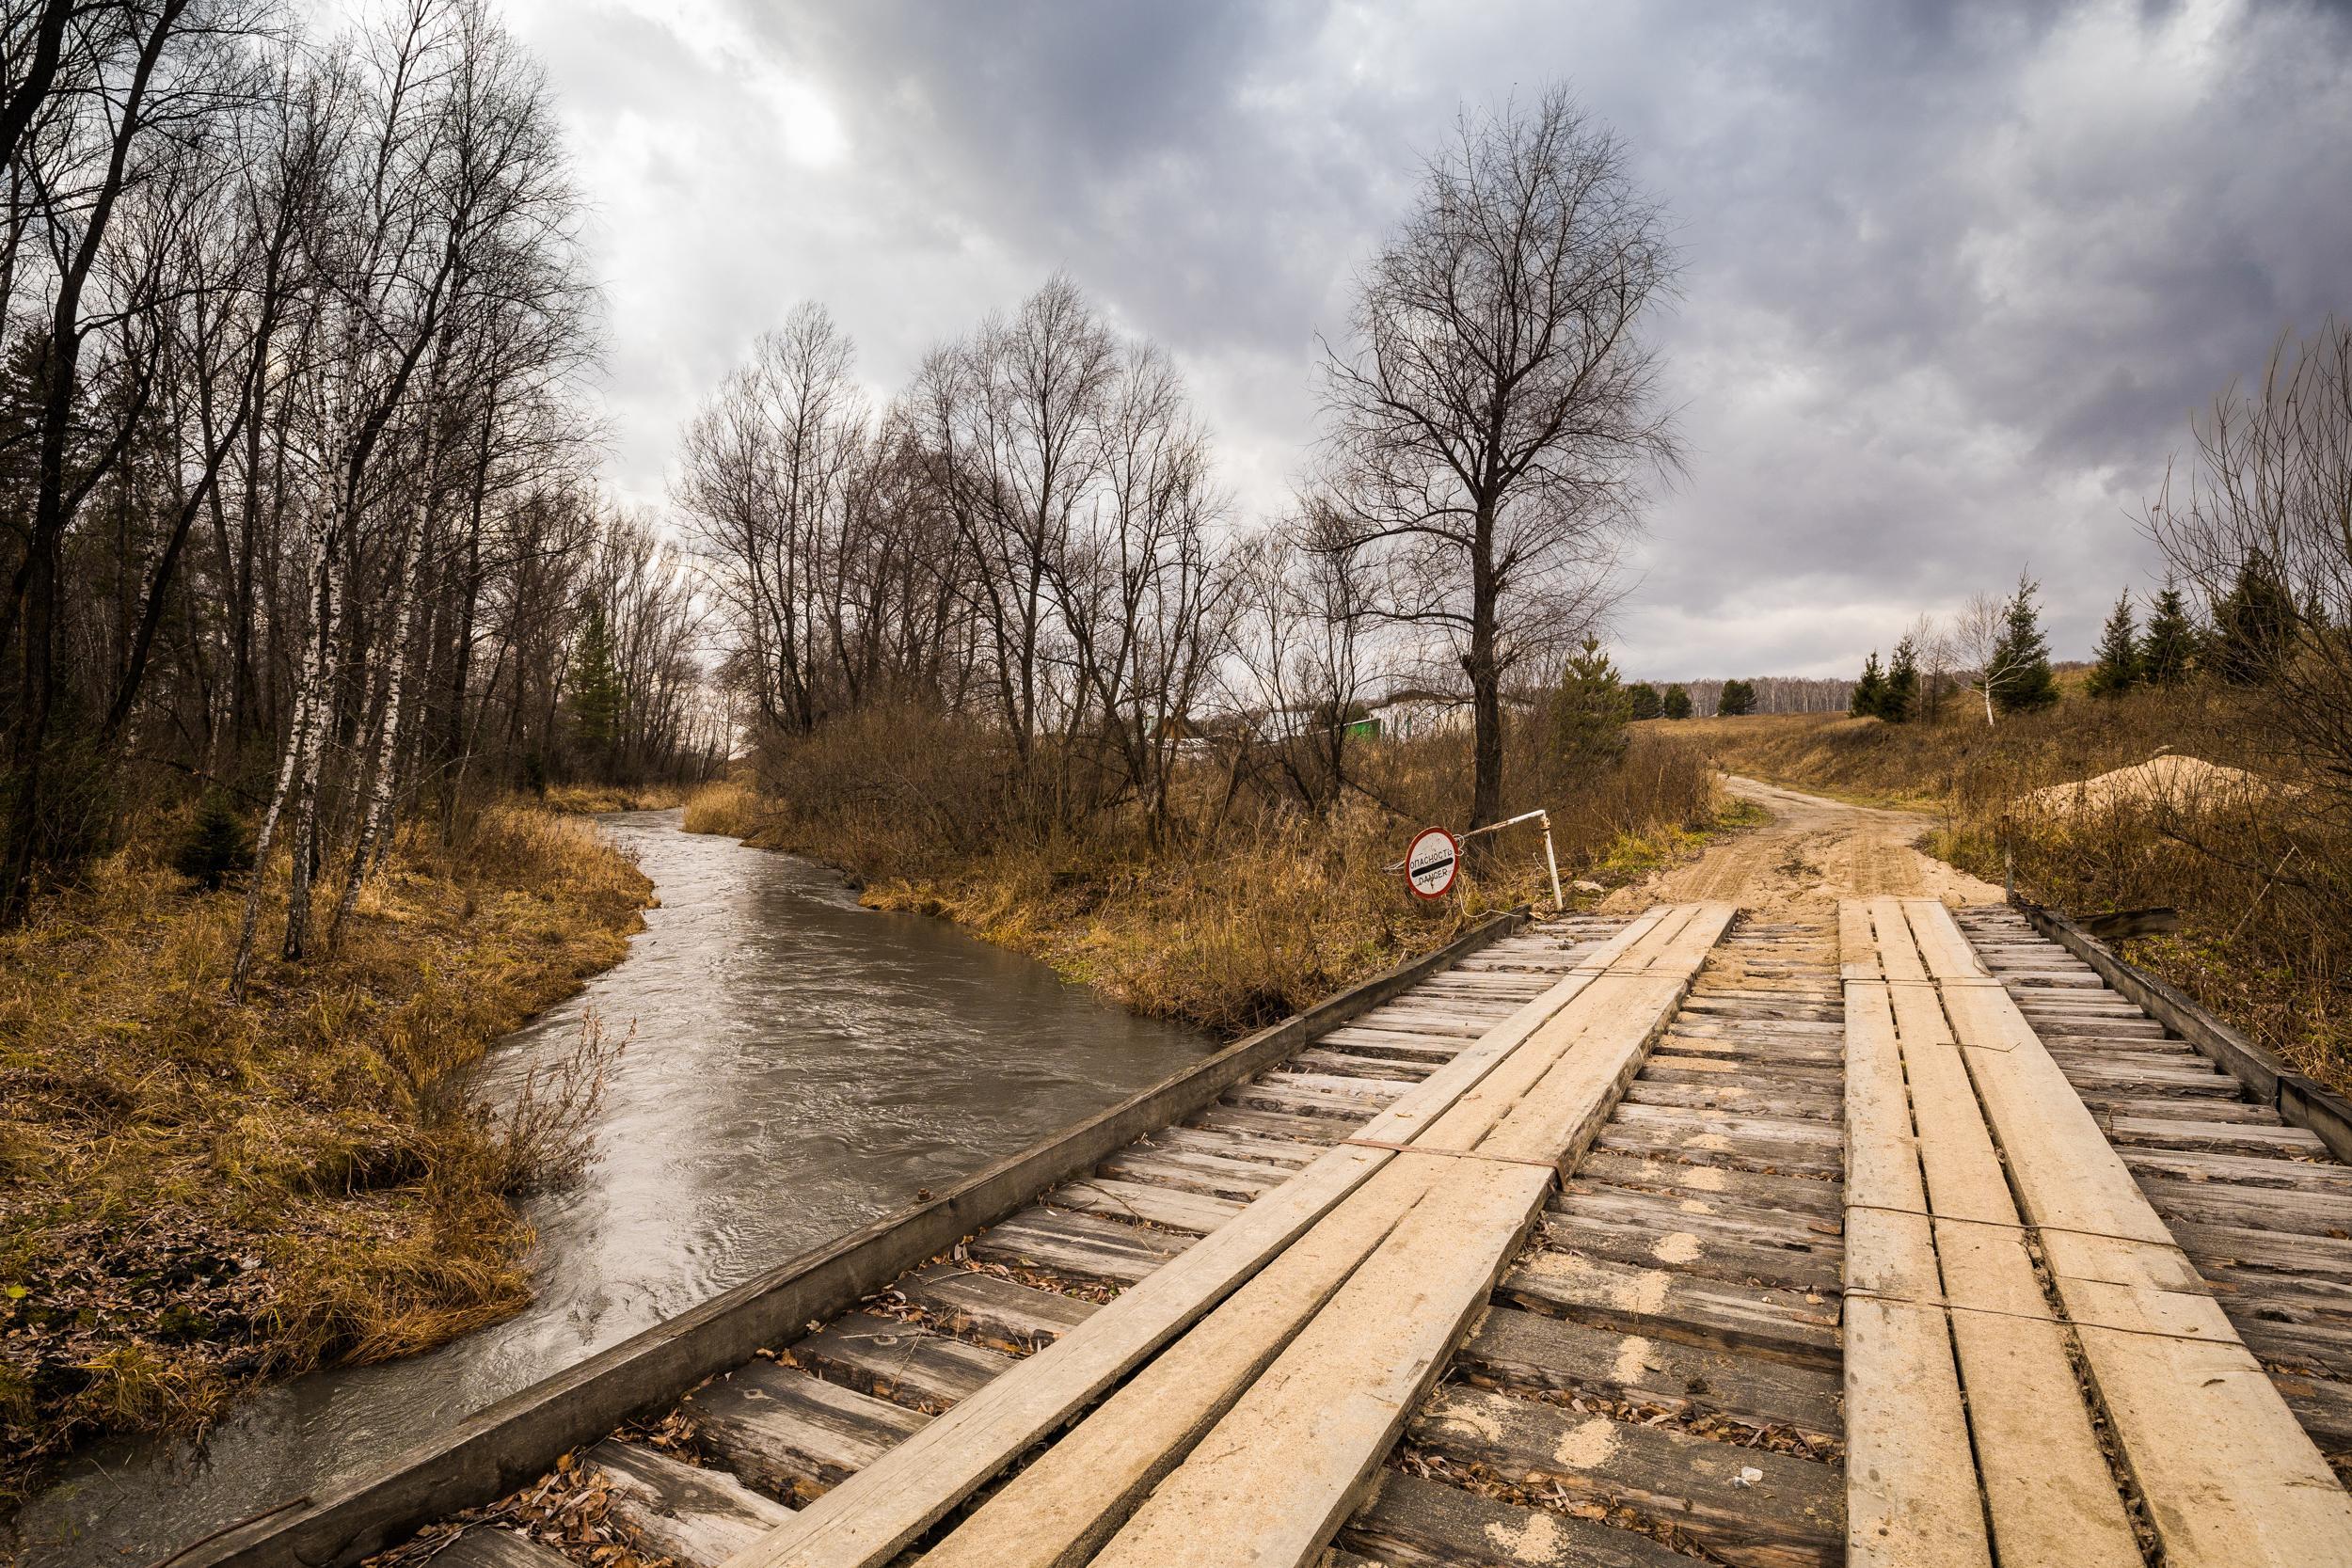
(293,460)
(1705,699)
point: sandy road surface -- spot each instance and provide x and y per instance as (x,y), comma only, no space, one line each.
(1812,853)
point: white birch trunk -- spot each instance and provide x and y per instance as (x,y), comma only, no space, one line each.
(308,701)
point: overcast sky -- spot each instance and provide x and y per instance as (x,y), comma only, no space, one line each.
(1955,276)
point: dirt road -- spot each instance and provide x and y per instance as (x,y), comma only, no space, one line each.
(1812,853)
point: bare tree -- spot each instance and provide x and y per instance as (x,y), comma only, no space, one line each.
(2269,492)
(1490,429)
(1978,637)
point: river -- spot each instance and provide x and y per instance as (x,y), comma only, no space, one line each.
(798,1067)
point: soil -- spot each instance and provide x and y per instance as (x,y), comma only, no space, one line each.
(1809,855)
(2178,782)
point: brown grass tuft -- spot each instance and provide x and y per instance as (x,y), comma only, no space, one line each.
(590,798)
(729,807)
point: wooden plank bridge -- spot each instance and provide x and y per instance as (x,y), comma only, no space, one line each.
(1903,1239)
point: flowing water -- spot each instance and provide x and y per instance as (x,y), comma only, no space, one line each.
(798,1067)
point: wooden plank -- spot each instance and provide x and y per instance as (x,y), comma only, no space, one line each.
(1660,1303)
(892,1503)
(1010,1316)
(902,1362)
(681,1510)
(515,1439)
(488,1546)
(793,1435)
(2047,1488)
(2241,1170)
(2228,1474)
(1689,1244)
(1076,1246)
(1412,1523)
(1169,1207)
(1912,1498)
(1216,1174)
(1527,1351)
(1749,1506)
(2219,1137)
(1273,1480)
(1070,1500)
(1794,1193)
(1287,1156)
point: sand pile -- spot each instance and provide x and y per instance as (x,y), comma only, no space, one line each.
(2175,782)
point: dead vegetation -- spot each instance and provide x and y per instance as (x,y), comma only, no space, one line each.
(196,1192)
(590,798)
(2258,870)
(1255,909)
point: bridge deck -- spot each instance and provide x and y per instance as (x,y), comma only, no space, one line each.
(1958,1204)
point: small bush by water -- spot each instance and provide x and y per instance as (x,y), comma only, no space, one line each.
(195,1192)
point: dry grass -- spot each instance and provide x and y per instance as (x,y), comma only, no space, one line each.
(727,806)
(589,798)
(2257,873)
(1226,923)
(196,1192)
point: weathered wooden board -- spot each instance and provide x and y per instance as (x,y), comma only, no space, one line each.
(1071,1500)
(1750,1506)
(698,1517)
(1912,1488)
(2228,1475)
(2047,1489)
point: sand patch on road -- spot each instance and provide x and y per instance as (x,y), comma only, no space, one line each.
(1811,854)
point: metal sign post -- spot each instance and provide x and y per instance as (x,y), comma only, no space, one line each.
(1443,852)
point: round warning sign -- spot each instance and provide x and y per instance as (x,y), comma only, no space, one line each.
(1430,864)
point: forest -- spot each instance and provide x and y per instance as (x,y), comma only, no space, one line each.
(301,502)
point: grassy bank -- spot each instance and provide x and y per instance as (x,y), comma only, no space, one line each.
(197,1193)
(590,798)
(2263,942)
(1257,910)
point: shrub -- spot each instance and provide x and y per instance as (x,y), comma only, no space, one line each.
(214,847)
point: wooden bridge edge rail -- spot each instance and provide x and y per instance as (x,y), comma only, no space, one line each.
(521,1437)
(2303,1103)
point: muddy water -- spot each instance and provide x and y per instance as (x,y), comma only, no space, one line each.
(798,1067)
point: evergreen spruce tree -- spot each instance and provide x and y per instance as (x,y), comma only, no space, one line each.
(2253,625)
(2118,668)
(2168,652)
(1644,701)
(1899,698)
(215,845)
(1676,701)
(597,696)
(1870,693)
(1589,714)
(2020,667)
(1735,699)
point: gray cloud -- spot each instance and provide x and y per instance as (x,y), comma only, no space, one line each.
(1955,275)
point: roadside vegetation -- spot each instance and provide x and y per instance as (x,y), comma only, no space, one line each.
(1249,905)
